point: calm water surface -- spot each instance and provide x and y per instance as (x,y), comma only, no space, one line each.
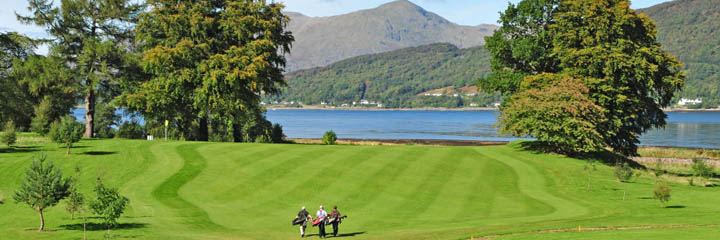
(684,129)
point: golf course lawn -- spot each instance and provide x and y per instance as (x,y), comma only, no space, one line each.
(191,190)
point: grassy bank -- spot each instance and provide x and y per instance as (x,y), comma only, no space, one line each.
(188,190)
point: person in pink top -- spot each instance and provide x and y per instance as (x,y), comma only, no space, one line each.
(321,214)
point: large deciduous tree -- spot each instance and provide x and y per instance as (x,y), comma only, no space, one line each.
(209,62)
(606,45)
(92,38)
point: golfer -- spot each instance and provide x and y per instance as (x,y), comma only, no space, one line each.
(321,214)
(335,216)
(303,217)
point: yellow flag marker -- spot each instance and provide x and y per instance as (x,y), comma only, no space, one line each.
(579,228)
(166,123)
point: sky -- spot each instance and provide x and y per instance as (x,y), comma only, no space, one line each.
(463,12)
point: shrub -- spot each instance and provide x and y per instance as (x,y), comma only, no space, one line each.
(131,130)
(8,137)
(623,173)
(277,134)
(105,119)
(662,193)
(42,121)
(329,138)
(263,139)
(108,204)
(66,132)
(701,169)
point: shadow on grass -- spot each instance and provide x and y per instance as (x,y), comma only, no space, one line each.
(350,234)
(102,227)
(605,157)
(98,153)
(19,149)
(329,235)
(675,206)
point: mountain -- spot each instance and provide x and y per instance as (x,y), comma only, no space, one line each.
(436,75)
(690,29)
(320,41)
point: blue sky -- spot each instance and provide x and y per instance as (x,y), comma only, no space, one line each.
(464,12)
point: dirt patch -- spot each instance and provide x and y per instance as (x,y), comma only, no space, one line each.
(593,230)
(395,142)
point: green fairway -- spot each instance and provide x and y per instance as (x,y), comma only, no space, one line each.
(189,190)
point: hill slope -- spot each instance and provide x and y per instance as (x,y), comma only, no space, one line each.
(394,78)
(191,190)
(690,29)
(320,41)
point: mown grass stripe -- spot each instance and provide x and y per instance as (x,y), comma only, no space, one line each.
(377,182)
(425,194)
(329,175)
(265,178)
(532,184)
(167,192)
(478,201)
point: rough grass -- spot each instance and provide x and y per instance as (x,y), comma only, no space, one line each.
(188,190)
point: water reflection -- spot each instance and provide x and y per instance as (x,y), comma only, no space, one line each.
(686,129)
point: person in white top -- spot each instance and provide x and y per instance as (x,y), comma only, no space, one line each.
(321,214)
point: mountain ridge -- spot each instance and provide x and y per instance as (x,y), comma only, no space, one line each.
(320,41)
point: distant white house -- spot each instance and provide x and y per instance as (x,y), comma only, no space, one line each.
(684,101)
(474,105)
(380,105)
(455,95)
(471,94)
(364,102)
(497,104)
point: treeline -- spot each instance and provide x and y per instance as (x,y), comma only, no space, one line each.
(394,78)
(196,68)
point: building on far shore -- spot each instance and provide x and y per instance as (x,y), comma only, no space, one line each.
(684,101)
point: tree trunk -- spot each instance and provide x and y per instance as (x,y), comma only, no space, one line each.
(84,227)
(237,130)
(588,186)
(89,112)
(42,220)
(67,152)
(625,191)
(203,129)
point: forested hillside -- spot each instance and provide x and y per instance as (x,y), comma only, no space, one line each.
(395,79)
(690,29)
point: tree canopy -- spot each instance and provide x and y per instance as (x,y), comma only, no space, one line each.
(209,62)
(92,39)
(606,45)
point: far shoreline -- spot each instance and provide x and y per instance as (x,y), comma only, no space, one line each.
(439,109)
